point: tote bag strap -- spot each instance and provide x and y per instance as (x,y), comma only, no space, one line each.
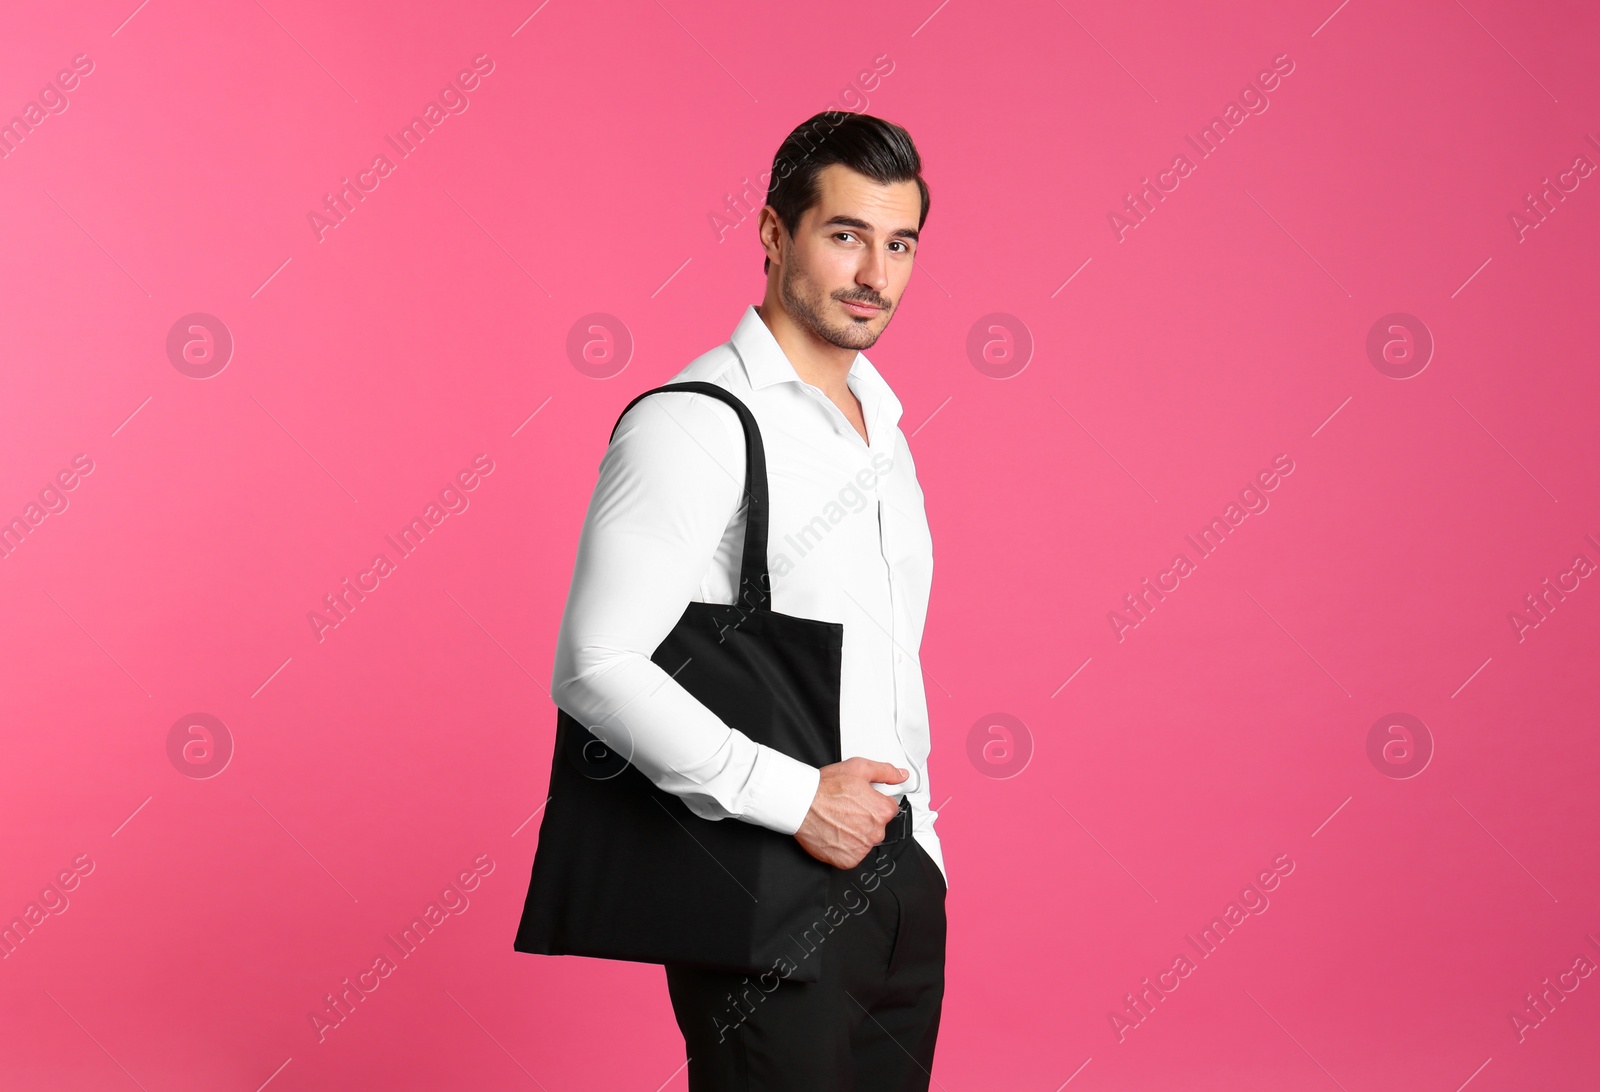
(755,583)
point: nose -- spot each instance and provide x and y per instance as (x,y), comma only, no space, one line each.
(874,273)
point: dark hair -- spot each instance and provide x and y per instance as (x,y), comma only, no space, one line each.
(879,149)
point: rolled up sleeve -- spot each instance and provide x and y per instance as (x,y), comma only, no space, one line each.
(670,482)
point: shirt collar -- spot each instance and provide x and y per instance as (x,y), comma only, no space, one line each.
(765,364)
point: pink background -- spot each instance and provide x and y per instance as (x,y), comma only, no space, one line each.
(1160,772)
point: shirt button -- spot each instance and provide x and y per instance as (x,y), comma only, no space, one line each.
(899,657)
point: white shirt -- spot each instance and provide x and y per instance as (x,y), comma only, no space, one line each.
(848,542)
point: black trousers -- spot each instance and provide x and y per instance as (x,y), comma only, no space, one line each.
(868,1024)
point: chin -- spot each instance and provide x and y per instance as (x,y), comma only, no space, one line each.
(859,337)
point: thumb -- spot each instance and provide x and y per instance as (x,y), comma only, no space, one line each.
(887,772)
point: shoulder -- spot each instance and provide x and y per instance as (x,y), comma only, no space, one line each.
(695,425)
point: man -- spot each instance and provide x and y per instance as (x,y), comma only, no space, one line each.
(848,543)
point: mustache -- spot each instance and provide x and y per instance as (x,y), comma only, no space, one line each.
(869,301)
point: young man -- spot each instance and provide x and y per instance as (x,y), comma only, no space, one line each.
(848,543)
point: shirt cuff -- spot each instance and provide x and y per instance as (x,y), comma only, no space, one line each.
(782,789)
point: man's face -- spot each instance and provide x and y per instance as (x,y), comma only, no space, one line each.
(850,257)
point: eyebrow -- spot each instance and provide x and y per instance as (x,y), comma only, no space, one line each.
(862,225)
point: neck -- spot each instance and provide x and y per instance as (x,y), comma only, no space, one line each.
(821,363)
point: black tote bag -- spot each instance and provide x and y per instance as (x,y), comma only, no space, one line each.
(625,870)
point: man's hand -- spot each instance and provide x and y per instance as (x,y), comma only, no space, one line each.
(848,816)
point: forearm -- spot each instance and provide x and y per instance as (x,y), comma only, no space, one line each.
(646,716)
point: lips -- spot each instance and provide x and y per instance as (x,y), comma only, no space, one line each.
(861,308)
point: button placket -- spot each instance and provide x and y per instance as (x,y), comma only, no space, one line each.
(894,635)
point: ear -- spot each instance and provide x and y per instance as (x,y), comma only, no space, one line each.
(773,235)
